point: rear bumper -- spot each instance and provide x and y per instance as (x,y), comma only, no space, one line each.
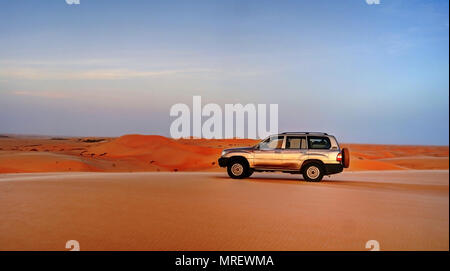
(223,161)
(333,168)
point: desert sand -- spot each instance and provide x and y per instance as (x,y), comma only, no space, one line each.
(402,210)
(141,192)
(132,153)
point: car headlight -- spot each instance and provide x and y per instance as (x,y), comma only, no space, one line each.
(223,153)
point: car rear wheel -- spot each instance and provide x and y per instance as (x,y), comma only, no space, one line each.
(238,169)
(313,172)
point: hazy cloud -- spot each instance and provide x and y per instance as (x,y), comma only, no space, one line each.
(95,74)
(43,94)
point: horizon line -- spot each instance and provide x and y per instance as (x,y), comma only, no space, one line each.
(12,135)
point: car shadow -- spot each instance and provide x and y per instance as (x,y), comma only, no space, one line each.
(268,179)
(353,184)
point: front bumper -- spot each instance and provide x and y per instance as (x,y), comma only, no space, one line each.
(223,161)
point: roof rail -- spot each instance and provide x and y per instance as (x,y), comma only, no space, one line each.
(307,133)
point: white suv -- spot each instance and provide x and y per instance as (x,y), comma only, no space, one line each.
(311,154)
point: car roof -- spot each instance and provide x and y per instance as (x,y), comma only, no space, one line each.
(305,133)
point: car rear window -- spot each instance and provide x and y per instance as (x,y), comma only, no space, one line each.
(319,142)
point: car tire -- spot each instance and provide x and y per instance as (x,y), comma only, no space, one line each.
(345,157)
(238,169)
(313,172)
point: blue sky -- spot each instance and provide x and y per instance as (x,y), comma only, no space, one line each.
(366,73)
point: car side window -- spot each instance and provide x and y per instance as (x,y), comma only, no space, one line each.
(274,142)
(318,142)
(295,142)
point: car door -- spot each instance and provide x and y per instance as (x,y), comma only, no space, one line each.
(294,152)
(268,154)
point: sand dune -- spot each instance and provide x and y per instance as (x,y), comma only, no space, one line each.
(159,151)
(402,210)
(11,162)
(132,153)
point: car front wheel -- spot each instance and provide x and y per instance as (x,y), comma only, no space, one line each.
(238,169)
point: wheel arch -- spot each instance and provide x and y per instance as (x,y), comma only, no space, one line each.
(240,158)
(311,161)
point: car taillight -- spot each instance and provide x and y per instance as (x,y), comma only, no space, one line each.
(339,157)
